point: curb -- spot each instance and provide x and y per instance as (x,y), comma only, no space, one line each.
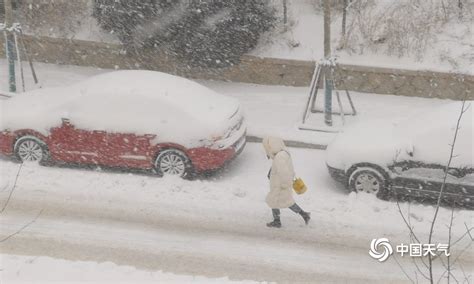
(290,143)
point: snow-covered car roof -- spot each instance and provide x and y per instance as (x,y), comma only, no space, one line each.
(430,133)
(142,102)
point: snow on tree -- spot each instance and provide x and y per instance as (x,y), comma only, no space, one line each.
(205,33)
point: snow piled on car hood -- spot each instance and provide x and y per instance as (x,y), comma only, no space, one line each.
(363,142)
(142,102)
(427,136)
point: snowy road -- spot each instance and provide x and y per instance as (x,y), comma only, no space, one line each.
(181,249)
(212,227)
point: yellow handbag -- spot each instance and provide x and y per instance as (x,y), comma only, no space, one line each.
(298,186)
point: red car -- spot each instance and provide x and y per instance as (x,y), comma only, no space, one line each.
(127,119)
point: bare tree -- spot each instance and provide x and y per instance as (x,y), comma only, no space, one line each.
(327,29)
(344,17)
(327,55)
(449,264)
(5,205)
(9,44)
(343,40)
(460,6)
(443,186)
(12,190)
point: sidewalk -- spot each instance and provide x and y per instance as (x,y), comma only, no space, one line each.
(278,110)
(269,110)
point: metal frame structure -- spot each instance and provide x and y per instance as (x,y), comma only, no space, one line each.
(16,47)
(322,69)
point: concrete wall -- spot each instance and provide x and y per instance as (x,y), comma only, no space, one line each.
(267,71)
(408,83)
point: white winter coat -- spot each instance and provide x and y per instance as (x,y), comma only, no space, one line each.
(282,174)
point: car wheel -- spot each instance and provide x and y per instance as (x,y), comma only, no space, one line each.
(369,180)
(173,162)
(31,149)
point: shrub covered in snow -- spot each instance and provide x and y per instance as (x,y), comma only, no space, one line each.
(208,33)
(405,27)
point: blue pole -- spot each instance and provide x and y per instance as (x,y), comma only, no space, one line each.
(328,101)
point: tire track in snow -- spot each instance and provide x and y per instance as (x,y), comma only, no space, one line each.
(192,251)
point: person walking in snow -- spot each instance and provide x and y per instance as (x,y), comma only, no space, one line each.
(281,176)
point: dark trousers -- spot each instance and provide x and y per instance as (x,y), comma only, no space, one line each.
(295,208)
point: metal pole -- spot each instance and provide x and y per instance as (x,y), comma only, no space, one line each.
(327,55)
(313,92)
(28,58)
(20,63)
(9,45)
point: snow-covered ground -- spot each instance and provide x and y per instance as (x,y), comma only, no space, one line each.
(215,226)
(449,50)
(269,110)
(33,269)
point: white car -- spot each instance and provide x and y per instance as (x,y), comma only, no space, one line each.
(408,157)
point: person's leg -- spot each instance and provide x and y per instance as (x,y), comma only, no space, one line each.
(306,215)
(276,214)
(276,219)
(295,208)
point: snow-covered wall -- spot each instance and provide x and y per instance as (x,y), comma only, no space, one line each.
(267,71)
(56,18)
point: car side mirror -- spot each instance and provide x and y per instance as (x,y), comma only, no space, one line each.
(456,173)
(66,121)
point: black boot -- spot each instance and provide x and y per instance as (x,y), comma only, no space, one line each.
(276,219)
(306,216)
(274,224)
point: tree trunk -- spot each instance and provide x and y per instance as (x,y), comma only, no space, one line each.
(327,28)
(327,54)
(9,45)
(285,11)
(344,16)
